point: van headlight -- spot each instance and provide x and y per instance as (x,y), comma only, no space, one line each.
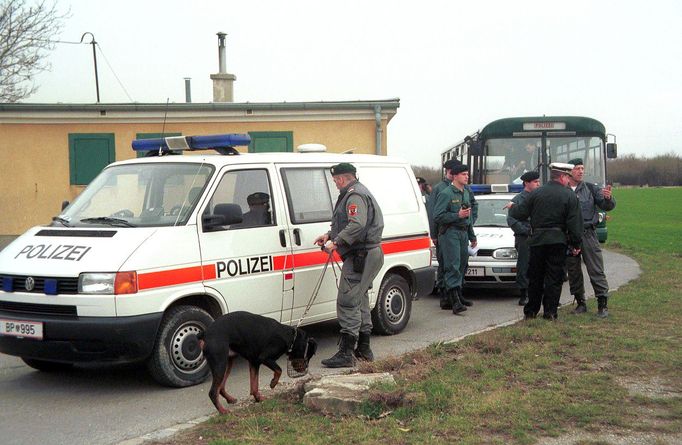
(506,253)
(107,283)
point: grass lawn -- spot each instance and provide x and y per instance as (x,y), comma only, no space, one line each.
(528,382)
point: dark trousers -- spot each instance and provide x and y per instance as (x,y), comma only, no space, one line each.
(521,245)
(594,263)
(545,276)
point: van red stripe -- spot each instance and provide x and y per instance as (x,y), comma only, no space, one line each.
(193,274)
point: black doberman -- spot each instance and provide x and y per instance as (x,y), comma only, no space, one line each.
(260,340)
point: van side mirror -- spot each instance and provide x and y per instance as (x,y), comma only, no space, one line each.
(476,148)
(65,204)
(611,150)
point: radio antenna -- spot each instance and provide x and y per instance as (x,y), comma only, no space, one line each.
(163,127)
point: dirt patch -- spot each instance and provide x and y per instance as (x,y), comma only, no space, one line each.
(653,388)
(612,438)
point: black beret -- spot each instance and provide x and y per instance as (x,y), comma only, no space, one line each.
(421,180)
(450,163)
(257,198)
(342,168)
(576,161)
(457,169)
(530,176)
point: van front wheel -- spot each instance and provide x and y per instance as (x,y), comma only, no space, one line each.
(177,359)
(394,306)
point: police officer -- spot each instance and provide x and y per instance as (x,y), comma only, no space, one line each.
(433,229)
(531,181)
(357,225)
(591,197)
(453,215)
(259,210)
(556,229)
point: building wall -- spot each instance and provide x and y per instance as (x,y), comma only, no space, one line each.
(35,156)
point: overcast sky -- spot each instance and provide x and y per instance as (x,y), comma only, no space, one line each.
(455,66)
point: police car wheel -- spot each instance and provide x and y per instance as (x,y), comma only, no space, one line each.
(47,366)
(394,306)
(177,359)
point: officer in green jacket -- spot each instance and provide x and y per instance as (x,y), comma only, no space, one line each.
(433,229)
(556,230)
(453,215)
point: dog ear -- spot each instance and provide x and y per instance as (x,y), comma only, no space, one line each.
(312,347)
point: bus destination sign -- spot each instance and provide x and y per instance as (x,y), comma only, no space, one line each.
(535,126)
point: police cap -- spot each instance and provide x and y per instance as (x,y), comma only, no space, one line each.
(457,169)
(342,168)
(530,176)
(421,180)
(257,198)
(561,167)
(576,161)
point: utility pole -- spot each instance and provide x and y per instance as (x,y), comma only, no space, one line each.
(94,56)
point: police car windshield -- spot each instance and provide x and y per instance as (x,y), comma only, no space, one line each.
(144,194)
(491,213)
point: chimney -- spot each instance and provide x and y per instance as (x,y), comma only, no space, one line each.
(223,82)
(188,90)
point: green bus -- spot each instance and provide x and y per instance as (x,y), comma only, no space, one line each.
(506,148)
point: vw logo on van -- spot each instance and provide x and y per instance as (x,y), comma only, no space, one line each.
(30,284)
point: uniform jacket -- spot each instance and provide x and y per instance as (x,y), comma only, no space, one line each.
(431,204)
(520,228)
(554,214)
(357,222)
(448,204)
(591,198)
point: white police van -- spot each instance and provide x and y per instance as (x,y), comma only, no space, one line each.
(156,247)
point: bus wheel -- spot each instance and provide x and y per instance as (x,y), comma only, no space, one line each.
(394,305)
(46,366)
(177,359)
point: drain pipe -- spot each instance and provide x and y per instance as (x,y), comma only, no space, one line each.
(379,131)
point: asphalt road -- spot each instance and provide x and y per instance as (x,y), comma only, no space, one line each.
(105,405)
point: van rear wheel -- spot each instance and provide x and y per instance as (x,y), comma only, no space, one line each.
(394,306)
(177,359)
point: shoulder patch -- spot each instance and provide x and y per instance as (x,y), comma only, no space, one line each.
(352,210)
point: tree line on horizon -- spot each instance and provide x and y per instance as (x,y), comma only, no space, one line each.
(628,170)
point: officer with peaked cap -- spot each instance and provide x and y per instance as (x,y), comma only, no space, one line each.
(453,215)
(259,211)
(433,229)
(556,228)
(591,198)
(521,229)
(357,226)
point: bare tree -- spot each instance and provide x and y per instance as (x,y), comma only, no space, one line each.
(27,33)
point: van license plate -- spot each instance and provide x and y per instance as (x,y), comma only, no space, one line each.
(18,328)
(475,272)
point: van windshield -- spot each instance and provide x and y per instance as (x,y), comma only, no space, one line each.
(149,195)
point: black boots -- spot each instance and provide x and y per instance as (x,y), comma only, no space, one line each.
(523,300)
(344,357)
(445,302)
(464,301)
(363,352)
(602,309)
(455,302)
(580,307)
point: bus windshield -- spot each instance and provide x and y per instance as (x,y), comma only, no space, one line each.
(589,149)
(505,160)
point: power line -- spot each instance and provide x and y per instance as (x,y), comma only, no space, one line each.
(114,73)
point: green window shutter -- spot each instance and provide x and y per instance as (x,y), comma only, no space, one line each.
(88,155)
(142,154)
(271,141)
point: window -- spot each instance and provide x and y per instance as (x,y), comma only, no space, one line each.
(271,141)
(397,199)
(250,191)
(309,192)
(88,155)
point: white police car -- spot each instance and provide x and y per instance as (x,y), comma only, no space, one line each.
(494,265)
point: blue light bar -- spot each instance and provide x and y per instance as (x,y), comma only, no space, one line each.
(207,142)
(484,189)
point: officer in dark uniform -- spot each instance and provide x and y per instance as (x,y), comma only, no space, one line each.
(259,210)
(591,198)
(357,226)
(453,215)
(433,229)
(556,230)
(531,181)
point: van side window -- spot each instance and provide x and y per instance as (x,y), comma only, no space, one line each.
(397,199)
(309,194)
(251,191)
